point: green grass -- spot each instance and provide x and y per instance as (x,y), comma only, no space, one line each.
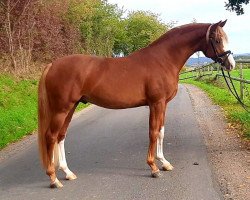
(18,108)
(246,73)
(18,112)
(217,91)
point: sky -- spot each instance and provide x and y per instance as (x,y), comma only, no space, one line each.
(207,11)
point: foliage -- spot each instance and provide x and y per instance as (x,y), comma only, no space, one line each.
(98,23)
(142,28)
(104,31)
(33,30)
(54,36)
(236,5)
(17,26)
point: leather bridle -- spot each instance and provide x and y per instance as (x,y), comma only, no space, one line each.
(218,58)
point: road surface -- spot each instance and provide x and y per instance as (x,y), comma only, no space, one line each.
(107,151)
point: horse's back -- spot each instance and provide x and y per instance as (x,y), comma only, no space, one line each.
(108,82)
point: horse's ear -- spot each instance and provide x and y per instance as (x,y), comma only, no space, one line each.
(215,26)
(222,24)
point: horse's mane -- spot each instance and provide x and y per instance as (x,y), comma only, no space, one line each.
(179,30)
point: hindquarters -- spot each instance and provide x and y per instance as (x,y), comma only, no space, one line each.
(55,109)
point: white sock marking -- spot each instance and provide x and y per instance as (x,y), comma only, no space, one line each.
(62,159)
(159,153)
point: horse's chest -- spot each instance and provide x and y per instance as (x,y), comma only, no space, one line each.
(162,90)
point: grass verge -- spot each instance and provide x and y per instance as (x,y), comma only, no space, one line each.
(220,95)
(18,108)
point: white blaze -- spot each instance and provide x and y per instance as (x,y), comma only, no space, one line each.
(230,57)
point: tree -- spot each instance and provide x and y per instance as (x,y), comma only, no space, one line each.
(17,26)
(98,23)
(32,30)
(236,5)
(142,28)
(54,35)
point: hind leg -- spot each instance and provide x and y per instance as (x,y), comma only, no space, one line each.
(51,138)
(61,150)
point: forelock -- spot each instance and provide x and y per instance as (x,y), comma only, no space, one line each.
(222,34)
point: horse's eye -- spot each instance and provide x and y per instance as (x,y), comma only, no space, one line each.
(217,41)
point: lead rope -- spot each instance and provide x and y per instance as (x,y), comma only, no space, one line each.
(234,91)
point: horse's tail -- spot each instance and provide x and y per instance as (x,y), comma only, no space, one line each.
(44,117)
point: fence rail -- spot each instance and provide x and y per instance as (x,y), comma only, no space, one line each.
(236,79)
(214,69)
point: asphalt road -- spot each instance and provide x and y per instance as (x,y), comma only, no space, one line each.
(107,150)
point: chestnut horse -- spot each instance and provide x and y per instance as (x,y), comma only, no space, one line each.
(147,77)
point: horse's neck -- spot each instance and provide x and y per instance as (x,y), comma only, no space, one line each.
(177,47)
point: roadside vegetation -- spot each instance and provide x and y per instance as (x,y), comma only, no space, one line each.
(18,110)
(217,90)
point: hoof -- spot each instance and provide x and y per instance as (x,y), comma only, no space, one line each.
(168,167)
(71,177)
(156,174)
(56,184)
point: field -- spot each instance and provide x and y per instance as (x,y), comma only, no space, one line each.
(246,73)
(218,92)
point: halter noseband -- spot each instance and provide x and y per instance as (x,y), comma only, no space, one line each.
(218,58)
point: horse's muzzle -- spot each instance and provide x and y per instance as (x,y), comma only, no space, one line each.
(226,60)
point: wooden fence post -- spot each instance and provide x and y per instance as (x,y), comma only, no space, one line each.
(218,71)
(241,83)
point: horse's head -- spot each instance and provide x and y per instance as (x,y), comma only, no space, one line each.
(216,47)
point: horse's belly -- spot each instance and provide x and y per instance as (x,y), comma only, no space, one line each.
(116,101)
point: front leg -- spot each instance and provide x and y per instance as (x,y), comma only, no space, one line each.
(156,118)
(166,166)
